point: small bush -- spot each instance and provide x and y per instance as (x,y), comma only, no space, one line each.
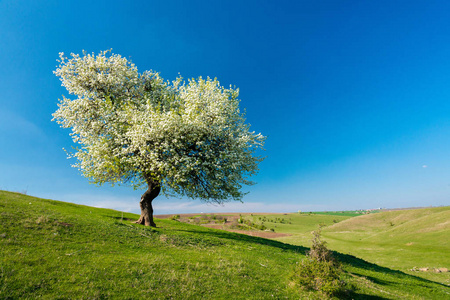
(323,276)
(220,219)
(240,220)
(319,271)
(261,227)
(175,217)
(319,250)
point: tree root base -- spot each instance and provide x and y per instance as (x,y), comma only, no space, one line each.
(141,221)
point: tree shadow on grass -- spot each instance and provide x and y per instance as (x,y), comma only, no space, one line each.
(346,259)
(356,296)
(222,234)
(123,219)
(360,263)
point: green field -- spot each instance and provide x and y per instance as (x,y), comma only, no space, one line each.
(57,250)
(347,213)
(400,240)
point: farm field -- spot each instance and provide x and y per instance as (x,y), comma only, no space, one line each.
(53,249)
(261,224)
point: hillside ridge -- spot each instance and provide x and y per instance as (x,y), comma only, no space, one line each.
(53,249)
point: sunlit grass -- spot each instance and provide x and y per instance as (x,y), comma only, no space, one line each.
(399,240)
(54,250)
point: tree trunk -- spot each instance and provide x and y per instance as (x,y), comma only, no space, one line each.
(146,204)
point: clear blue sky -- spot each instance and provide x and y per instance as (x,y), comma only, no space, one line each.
(352,95)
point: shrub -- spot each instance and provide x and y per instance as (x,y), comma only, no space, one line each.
(319,250)
(220,219)
(240,220)
(323,276)
(261,227)
(175,217)
(319,271)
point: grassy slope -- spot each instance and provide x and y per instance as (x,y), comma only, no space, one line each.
(399,240)
(53,249)
(300,226)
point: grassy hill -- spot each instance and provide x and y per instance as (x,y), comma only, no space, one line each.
(401,240)
(52,250)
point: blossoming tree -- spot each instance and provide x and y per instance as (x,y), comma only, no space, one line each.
(176,138)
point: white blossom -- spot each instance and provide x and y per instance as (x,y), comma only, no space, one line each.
(190,137)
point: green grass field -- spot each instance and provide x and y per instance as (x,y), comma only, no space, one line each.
(400,240)
(57,250)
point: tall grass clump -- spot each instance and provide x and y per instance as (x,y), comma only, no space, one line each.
(319,270)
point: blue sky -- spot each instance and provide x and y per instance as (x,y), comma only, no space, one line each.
(352,95)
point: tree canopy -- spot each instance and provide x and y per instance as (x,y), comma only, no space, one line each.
(136,128)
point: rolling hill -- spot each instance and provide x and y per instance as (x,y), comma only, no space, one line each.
(51,249)
(404,240)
